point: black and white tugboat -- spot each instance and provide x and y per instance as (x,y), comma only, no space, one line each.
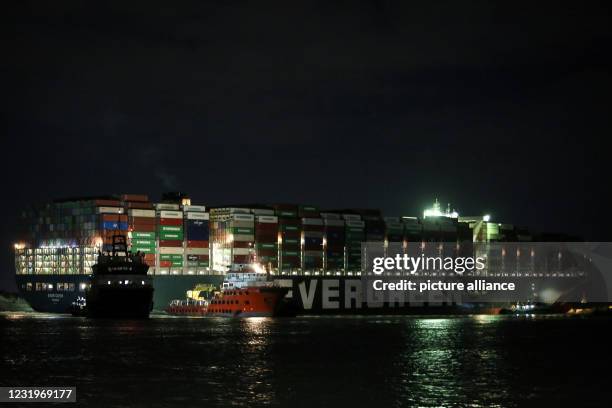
(120,286)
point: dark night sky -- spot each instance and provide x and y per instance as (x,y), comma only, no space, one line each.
(500,108)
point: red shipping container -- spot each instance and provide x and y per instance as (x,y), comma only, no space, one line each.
(243,244)
(165,264)
(241,259)
(143,220)
(170,243)
(143,228)
(150,262)
(149,257)
(135,197)
(140,206)
(109,217)
(197,244)
(266,227)
(107,203)
(170,221)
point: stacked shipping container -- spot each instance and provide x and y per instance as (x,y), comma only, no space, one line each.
(289,237)
(170,233)
(197,236)
(266,239)
(334,242)
(354,236)
(312,244)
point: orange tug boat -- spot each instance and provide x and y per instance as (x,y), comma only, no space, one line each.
(245,293)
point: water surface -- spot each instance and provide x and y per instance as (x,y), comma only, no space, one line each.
(477,361)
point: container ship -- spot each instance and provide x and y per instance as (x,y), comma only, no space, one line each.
(316,255)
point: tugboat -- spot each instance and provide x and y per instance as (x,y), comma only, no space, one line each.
(248,292)
(120,286)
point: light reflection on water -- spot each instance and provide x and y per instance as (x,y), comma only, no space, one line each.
(480,361)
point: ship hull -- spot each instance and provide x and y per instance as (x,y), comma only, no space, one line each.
(306,295)
(248,302)
(120,302)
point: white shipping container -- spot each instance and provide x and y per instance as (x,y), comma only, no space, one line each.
(243,217)
(267,219)
(352,217)
(262,211)
(141,213)
(194,208)
(243,224)
(312,221)
(244,237)
(334,223)
(238,210)
(165,206)
(171,214)
(241,251)
(197,216)
(171,250)
(109,210)
(197,251)
(330,216)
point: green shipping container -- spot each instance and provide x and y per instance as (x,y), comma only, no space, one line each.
(143,235)
(203,263)
(144,250)
(289,228)
(171,257)
(170,228)
(243,231)
(290,253)
(266,245)
(291,241)
(268,258)
(177,263)
(143,242)
(171,236)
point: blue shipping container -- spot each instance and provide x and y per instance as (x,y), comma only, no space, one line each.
(313,241)
(114,225)
(197,230)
